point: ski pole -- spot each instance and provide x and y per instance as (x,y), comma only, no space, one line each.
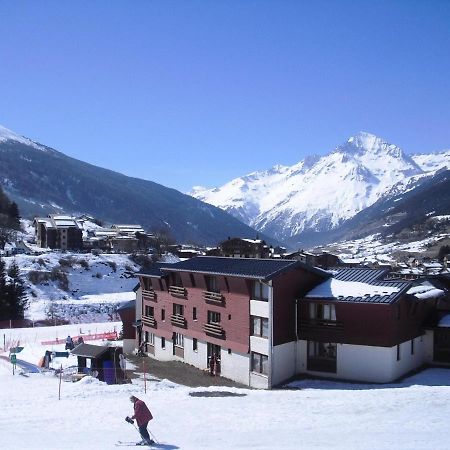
(153,437)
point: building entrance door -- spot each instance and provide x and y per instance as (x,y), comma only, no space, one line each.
(213,361)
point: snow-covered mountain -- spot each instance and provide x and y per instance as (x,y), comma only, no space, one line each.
(320,193)
(42,180)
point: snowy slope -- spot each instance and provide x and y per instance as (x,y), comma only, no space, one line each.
(320,415)
(319,193)
(8,135)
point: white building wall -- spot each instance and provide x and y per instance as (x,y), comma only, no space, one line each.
(196,358)
(407,360)
(235,366)
(259,381)
(283,362)
(259,345)
(259,308)
(368,363)
(163,354)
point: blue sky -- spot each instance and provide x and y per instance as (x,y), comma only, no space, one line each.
(198,92)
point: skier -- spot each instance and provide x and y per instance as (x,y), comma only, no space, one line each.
(143,416)
(69,343)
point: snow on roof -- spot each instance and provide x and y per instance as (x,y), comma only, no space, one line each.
(333,288)
(425,291)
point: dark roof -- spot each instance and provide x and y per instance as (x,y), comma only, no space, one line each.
(360,275)
(255,268)
(89,350)
(131,304)
(155,270)
(372,277)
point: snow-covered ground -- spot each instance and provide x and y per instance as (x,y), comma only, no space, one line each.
(320,415)
(95,284)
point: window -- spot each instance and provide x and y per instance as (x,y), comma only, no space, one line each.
(226,284)
(213,317)
(260,326)
(163,342)
(260,291)
(412,346)
(163,314)
(398,352)
(212,284)
(324,312)
(194,313)
(191,276)
(178,340)
(229,351)
(176,280)
(322,356)
(149,311)
(178,309)
(150,338)
(260,363)
(194,345)
(147,283)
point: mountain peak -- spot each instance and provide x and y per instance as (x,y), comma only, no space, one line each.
(8,135)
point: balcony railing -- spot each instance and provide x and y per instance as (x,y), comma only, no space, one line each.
(320,324)
(214,297)
(149,294)
(149,321)
(178,320)
(214,329)
(177,291)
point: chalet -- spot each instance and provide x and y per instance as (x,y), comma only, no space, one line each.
(244,248)
(58,232)
(263,321)
(238,313)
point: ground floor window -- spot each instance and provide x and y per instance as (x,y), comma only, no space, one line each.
(194,345)
(259,363)
(163,342)
(322,356)
(178,340)
(149,338)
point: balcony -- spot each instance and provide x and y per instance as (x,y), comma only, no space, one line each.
(149,321)
(213,297)
(178,320)
(178,291)
(149,295)
(214,329)
(313,329)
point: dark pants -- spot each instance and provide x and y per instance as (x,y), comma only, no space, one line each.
(144,432)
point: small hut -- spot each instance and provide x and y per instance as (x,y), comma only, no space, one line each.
(104,362)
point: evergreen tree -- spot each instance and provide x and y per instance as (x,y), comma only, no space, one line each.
(4,297)
(14,217)
(16,293)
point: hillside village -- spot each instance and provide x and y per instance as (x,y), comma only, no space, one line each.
(329,295)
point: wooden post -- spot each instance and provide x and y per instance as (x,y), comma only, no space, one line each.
(60,379)
(145,375)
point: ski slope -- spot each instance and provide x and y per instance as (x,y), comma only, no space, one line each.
(320,415)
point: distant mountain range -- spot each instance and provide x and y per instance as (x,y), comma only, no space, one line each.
(42,180)
(319,198)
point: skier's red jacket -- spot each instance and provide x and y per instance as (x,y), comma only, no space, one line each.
(141,413)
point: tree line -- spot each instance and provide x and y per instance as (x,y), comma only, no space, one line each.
(13,298)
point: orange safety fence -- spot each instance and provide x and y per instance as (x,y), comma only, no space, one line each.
(109,335)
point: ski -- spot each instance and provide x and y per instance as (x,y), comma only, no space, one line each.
(131,444)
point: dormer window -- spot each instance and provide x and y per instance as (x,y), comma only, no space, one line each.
(212,283)
(260,291)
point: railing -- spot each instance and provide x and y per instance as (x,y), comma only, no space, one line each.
(178,320)
(215,297)
(214,329)
(320,323)
(149,321)
(150,294)
(177,291)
